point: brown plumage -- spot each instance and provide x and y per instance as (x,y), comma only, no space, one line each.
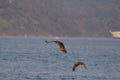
(61,46)
(77,64)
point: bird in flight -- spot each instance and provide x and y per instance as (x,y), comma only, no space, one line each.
(60,44)
(77,64)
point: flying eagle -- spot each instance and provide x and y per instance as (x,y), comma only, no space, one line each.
(60,44)
(77,64)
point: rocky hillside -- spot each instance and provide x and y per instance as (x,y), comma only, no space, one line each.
(73,18)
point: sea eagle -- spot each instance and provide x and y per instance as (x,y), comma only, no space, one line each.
(77,64)
(60,44)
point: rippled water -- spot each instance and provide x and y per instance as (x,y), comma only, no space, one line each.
(30,58)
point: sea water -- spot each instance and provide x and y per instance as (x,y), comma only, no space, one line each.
(30,58)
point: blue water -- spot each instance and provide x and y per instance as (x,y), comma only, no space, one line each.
(30,58)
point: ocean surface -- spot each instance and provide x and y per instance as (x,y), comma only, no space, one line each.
(30,58)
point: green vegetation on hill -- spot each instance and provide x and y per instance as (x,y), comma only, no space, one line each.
(74,18)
